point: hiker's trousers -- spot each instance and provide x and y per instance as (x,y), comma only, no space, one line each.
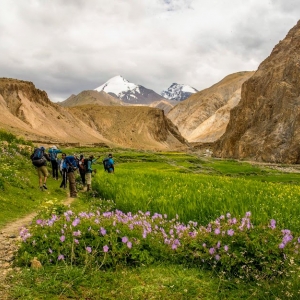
(72,184)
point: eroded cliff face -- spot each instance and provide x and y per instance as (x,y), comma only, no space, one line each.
(139,127)
(13,91)
(27,111)
(265,125)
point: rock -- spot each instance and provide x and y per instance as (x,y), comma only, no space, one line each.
(264,126)
(35,264)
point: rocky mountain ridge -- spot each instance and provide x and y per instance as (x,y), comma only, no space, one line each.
(28,112)
(178,92)
(91,97)
(264,126)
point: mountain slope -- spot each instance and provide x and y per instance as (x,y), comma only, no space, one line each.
(128,92)
(189,114)
(90,97)
(265,124)
(178,92)
(214,127)
(27,111)
(165,105)
(139,127)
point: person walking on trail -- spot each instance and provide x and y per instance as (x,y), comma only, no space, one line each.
(70,164)
(109,164)
(82,169)
(39,159)
(89,171)
(53,156)
(63,171)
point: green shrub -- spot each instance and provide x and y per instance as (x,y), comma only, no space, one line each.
(108,239)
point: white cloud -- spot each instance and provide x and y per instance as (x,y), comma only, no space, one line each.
(66,46)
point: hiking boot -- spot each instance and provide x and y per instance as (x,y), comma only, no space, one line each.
(45,187)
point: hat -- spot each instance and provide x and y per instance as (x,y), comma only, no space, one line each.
(54,147)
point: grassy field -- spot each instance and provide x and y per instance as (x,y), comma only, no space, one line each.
(192,187)
(201,190)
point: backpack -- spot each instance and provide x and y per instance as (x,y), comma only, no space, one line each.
(81,165)
(53,155)
(85,164)
(106,164)
(38,158)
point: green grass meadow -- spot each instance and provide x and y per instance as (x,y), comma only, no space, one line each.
(201,190)
(186,185)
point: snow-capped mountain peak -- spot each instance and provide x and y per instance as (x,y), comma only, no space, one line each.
(128,92)
(178,92)
(116,85)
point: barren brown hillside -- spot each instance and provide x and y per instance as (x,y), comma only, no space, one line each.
(165,105)
(265,124)
(90,97)
(189,114)
(27,111)
(134,126)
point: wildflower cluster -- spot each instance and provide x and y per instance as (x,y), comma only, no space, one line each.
(110,238)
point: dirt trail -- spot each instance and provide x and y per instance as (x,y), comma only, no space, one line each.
(9,238)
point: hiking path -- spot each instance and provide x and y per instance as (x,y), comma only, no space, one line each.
(9,240)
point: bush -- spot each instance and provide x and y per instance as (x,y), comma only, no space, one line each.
(107,239)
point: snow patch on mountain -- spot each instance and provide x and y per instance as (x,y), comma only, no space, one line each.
(178,92)
(117,85)
(128,92)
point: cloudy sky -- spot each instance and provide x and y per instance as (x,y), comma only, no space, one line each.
(67,46)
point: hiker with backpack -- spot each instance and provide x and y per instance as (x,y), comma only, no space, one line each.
(39,159)
(63,171)
(82,168)
(71,165)
(88,171)
(109,164)
(53,156)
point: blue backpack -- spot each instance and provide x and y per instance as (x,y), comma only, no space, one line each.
(106,164)
(38,158)
(53,155)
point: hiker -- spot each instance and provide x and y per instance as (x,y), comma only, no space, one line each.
(70,164)
(82,169)
(89,171)
(39,159)
(109,164)
(53,156)
(63,171)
